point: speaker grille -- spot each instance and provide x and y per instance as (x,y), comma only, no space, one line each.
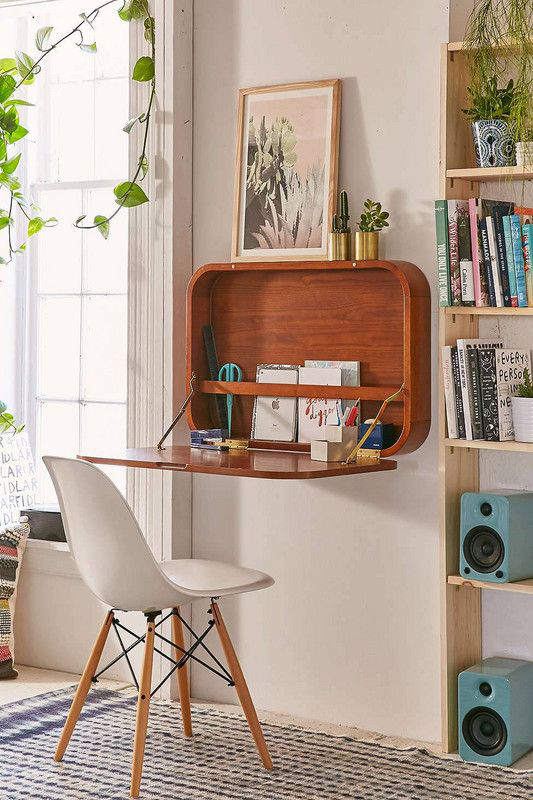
(483,549)
(484,731)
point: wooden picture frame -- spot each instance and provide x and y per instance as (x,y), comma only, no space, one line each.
(280,212)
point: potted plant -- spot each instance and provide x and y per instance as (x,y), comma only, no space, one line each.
(524,148)
(373,219)
(522,409)
(490,113)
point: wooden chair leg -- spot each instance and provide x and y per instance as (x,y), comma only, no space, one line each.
(241,687)
(183,680)
(143,709)
(83,687)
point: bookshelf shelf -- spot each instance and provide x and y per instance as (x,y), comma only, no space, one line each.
(250,388)
(522,587)
(485,174)
(468,311)
(481,444)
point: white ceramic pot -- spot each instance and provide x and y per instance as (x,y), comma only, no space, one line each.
(522,408)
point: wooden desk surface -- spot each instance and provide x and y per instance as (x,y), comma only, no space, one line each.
(244,463)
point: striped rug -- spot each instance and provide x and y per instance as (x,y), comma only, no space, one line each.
(220,762)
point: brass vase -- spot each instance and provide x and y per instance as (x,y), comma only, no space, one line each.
(339,246)
(366,246)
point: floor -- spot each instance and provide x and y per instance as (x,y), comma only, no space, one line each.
(32,681)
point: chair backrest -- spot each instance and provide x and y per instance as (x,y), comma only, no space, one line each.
(104,537)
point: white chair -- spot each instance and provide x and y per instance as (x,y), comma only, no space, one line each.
(117,565)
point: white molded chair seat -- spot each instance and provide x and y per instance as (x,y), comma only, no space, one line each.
(202,578)
(117,565)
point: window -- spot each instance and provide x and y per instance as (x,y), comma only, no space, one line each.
(77,283)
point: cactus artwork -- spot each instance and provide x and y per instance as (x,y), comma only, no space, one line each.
(287,149)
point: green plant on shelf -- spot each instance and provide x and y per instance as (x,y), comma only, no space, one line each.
(7,421)
(490,102)
(526,388)
(373,217)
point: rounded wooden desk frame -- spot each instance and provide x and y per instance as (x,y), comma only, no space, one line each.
(376,312)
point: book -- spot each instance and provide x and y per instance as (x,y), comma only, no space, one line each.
(274,418)
(459,411)
(350,375)
(449,392)
(509,256)
(465,253)
(510,366)
(474,392)
(479,272)
(466,389)
(454,212)
(494,262)
(443,252)
(489,393)
(516,234)
(498,212)
(527,241)
(485,249)
(314,413)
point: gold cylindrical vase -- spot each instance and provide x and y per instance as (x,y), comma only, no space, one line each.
(366,246)
(339,246)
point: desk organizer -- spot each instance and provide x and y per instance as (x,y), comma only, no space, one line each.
(374,312)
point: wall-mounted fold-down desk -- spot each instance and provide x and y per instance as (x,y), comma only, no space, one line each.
(374,312)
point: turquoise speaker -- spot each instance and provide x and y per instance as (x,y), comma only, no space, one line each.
(496,711)
(497,536)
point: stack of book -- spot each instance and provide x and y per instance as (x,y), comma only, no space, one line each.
(480,375)
(484,253)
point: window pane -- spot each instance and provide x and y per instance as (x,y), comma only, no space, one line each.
(58,342)
(104,348)
(111,142)
(103,429)
(59,248)
(71,132)
(112,36)
(58,435)
(106,260)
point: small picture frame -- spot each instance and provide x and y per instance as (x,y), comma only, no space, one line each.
(286,171)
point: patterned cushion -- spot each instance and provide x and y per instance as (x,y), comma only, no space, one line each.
(12,544)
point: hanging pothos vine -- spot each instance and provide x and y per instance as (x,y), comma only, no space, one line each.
(18,72)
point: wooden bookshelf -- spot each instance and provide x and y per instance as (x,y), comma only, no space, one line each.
(460,178)
(481,444)
(521,587)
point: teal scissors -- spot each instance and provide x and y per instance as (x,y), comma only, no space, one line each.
(230,372)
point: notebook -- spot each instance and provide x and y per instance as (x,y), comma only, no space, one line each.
(274,418)
(315,413)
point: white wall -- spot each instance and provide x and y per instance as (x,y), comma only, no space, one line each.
(350,632)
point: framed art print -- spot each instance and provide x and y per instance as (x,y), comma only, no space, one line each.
(286,173)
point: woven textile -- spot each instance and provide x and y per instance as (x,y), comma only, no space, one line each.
(220,762)
(12,544)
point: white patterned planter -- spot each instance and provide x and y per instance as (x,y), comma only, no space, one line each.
(493,143)
(524,154)
(522,408)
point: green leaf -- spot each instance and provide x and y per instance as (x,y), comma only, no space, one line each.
(143,163)
(14,101)
(7,65)
(129,195)
(103,225)
(3,261)
(130,123)
(9,120)
(149,29)
(7,87)
(41,38)
(17,134)
(11,164)
(5,219)
(35,225)
(25,67)
(3,149)
(132,9)
(144,69)
(3,407)
(88,48)
(80,219)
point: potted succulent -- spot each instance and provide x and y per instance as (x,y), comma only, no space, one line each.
(522,409)
(490,113)
(373,219)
